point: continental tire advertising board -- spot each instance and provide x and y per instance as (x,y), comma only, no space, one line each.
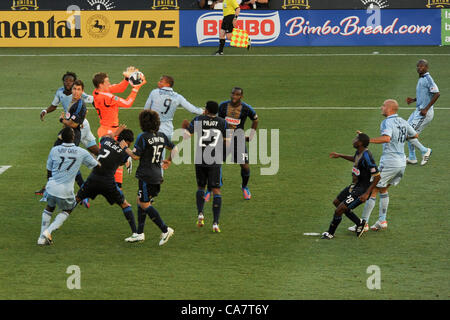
(74,28)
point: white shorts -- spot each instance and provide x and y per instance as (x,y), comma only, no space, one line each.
(63,204)
(87,138)
(419,122)
(390,176)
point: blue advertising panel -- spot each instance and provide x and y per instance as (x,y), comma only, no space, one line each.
(370,27)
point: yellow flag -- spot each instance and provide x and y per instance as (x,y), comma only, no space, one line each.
(239,38)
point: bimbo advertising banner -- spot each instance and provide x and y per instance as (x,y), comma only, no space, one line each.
(319,27)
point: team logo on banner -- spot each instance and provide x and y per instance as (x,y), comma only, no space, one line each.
(101,4)
(165,4)
(25,5)
(261,27)
(371,4)
(438,4)
(295,4)
(98,26)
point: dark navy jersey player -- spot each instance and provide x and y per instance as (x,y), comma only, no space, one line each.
(365,176)
(148,149)
(212,133)
(101,180)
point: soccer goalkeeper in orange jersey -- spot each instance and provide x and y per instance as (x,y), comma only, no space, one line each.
(107,104)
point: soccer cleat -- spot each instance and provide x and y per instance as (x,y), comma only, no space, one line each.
(249,44)
(409,161)
(361,228)
(86,203)
(246,193)
(165,236)
(207,196)
(426,157)
(218,53)
(379,226)
(327,236)
(41,241)
(47,236)
(353,228)
(136,237)
(40,192)
(216,228)
(200,220)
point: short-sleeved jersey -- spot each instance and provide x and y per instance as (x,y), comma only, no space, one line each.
(149,147)
(64,161)
(211,132)
(229,7)
(65,101)
(425,89)
(394,152)
(236,117)
(364,167)
(110,156)
(77,113)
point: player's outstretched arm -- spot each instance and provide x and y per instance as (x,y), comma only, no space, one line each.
(382,139)
(343,156)
(44,112)
(410,100)
(127,150)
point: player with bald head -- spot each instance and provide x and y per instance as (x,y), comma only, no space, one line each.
(427,93)
(394,133)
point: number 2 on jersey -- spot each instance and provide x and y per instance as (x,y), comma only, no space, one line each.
(214,137)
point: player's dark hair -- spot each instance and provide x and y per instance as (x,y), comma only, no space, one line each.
(364,138)
(79,83)
(149,121)
(126,135)
(238,88)
(69,74)
(67,135)
(422,61)
(99,78)
(169,80)
(212,107)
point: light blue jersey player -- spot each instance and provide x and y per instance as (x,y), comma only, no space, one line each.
(427,93)
(63,96)
(165,102)
(394,133)
(63,163)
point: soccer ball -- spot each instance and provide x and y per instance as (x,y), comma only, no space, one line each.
(135,78)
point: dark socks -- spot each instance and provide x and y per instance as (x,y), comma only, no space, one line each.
(221,44)
(156,218)
(200,200)
(128,212)
(79,179)
(352,216)
(245,176)
(217,203)
(141,220)
(334,224)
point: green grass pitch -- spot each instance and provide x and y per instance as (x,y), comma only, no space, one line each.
(261,252)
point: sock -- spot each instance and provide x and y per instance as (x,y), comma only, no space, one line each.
(128,212)
(384,203)
(46,217)
(217,203)
(221,44)
(417,144)
(245,177)
(141,220)
(58,222)
(334,224)
(368,208)
(200,200)
(412,151)
(156,218)
(79,179)
(352,216)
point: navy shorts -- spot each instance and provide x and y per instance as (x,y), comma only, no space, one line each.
(350,196)
(147,191)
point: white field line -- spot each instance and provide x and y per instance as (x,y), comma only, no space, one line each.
(4,168)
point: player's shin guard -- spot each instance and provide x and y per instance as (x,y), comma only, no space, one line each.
(368,207)
(141,220)
(245,177)
(217,204)
(352,216)
(58,222)
(128,213)
(412,151)
(79,179)
(156,218)
(46,218)
(384,203)
(200,196)
(334,224)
